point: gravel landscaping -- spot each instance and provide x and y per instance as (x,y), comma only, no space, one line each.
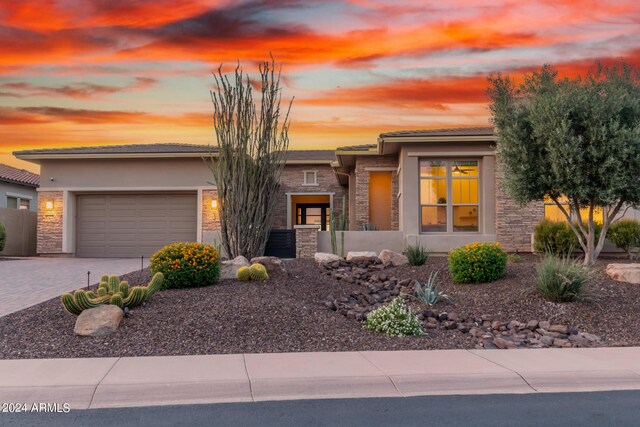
(295,313)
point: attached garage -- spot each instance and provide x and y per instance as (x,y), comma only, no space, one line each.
(131,225)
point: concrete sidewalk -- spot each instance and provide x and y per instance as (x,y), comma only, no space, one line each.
(146,381)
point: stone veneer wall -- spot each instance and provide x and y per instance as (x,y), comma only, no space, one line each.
(210,216)
(50,223)
(515,224)
(362,189)
(291,182)
(306,240)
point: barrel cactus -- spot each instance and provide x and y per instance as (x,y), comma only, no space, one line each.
(244,273)
(111,291)
(258,272)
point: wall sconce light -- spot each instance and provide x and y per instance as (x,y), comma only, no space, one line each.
(48,205)
(214,203)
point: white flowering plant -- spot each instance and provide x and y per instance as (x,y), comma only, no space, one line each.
(394,319)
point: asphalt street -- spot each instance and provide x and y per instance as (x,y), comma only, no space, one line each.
(620,408)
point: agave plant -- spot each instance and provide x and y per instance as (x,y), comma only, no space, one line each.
(428,292)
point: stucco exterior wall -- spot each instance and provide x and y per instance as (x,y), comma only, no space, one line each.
(97,174)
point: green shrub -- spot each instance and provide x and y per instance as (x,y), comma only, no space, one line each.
(428,292)
(187,265)
(557,238)
(477,263)
(394,319)
(561,279)
(554,237)
(3,236)
(417,254)
(625,234)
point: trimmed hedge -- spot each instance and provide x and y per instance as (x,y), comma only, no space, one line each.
(187,265)
(477,263)
(557,238)
(625,234)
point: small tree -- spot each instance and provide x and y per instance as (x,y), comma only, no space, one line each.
(252,148)
(578,138)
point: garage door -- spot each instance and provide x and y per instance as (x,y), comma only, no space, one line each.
(131,225)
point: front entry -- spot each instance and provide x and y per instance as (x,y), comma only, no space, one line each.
(311,209)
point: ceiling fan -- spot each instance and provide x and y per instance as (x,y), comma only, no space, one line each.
(456,169)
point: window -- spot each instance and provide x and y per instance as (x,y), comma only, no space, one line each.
(313,214)
(553,213)
(310,178)
(18,202)
(449,195)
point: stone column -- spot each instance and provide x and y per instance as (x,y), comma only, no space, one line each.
(50,222)
(306,240)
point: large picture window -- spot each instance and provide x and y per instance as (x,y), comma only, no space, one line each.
(553,213)
(449,196)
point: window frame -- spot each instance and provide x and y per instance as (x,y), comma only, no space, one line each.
(19,198)
(449,205)
(306,183)
(325,208)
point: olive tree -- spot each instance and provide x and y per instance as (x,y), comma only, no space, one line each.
(577,138)
(250,156)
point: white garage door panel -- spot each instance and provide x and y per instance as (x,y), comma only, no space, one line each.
(133,224)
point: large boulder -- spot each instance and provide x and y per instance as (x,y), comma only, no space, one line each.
(392,258)
(228,269)
(361,256)
(98,322)
(629,273)
(325,258)
(273,264)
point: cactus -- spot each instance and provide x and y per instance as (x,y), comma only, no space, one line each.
(332,230)
(258,272)
(111,291)
(244,273)
(70,304)
(116,299)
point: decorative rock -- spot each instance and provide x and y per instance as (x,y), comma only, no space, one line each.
(443,316)
(453,317)
(361,256)
(273,264)
(559,342)
(561,329)
(325,258)
(629,273)
(486,318)
(98,322)
(496,325)
(392,258)
(503,343)
(532,325)
(544,325)
(547,340)
(229,269)
(590,337)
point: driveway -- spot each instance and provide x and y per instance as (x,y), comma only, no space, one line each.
(28,281)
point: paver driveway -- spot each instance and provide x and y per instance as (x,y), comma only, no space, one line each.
(28,281)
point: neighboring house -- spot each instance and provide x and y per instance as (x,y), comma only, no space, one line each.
(18,188)
(438,187)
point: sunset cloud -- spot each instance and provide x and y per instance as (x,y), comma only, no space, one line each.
(107,71)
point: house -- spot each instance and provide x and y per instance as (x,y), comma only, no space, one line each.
(18,188)
(130,200)
(437,187)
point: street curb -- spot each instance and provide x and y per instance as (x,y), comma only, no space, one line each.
(172,380)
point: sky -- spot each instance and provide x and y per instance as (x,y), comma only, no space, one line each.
(104,72)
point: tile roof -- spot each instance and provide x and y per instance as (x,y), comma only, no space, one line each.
(170,148)
(469,131)
(362,147)
(120,149)
(18,176)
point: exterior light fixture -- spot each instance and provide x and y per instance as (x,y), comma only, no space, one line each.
(214,203)
(48,205)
